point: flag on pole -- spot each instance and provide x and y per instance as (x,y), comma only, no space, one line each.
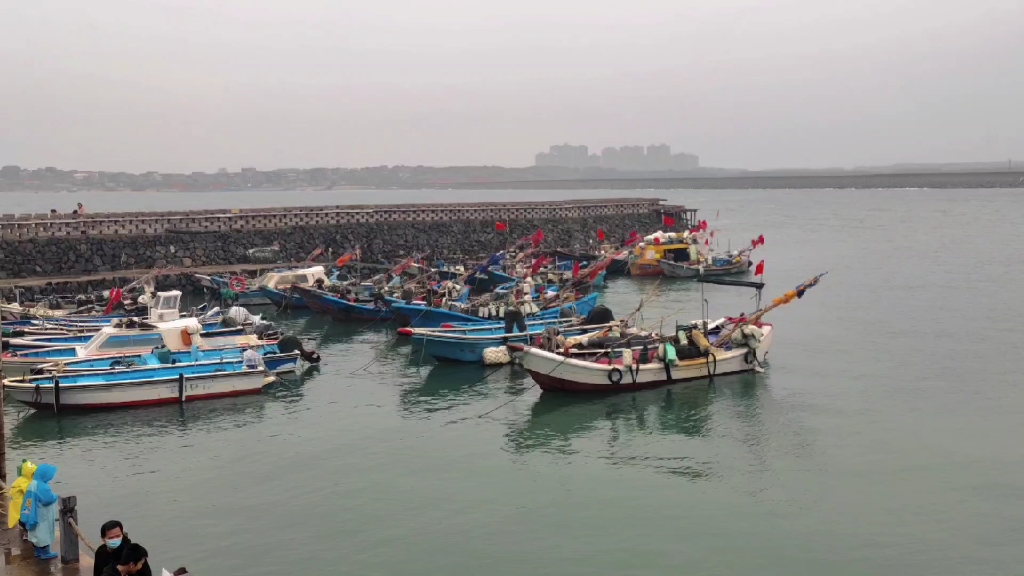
(760,240)
(537,238)
(703,225)
(600,234)
(759,269)
(537,264)
(576,269)
(668,221)
(500,226)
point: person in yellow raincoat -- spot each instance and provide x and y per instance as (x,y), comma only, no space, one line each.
(25,472)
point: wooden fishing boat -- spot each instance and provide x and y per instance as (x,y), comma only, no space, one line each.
(343,310)
(275,286)
(144,386)
(719,266)
(698,350)
(553,371)
(647,255)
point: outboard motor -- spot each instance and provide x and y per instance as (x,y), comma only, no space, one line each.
(291,344)
(601,314)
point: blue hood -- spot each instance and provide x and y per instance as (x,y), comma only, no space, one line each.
(45,472)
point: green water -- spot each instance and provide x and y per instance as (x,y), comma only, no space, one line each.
(883,438)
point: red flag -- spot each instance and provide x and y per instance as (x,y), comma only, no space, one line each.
(633,234)
(600,235)
(576,269)
(706,242)
(760,240)
(115,297)
(537,238)
(632,240)
(759,269)
(500,226)
(703,225)
(537,265)
(657,240)
(694,230)
(753,243)
(668,220)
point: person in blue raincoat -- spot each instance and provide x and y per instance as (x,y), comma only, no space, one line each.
(39,511)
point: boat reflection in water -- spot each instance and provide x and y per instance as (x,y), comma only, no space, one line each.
(448,386)
(627,430)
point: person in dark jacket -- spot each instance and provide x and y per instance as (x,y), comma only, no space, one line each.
(114,544)
(133,561)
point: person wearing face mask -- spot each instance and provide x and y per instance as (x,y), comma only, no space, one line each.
(115,542)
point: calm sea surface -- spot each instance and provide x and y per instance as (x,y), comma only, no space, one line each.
(885,437)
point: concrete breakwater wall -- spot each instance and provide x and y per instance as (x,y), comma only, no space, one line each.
(387,240)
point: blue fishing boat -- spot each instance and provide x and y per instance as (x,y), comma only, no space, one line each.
(344,310)
(276,286)
(422,317)
(142,386)
(214,329)
(467,344)
(273,359)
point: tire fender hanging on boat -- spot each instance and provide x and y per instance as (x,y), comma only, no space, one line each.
(615,375)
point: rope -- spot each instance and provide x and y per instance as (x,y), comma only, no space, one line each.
(81,536)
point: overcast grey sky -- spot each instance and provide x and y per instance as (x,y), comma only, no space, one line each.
(182,85)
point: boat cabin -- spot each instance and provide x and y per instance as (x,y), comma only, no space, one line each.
(305,277)
(164,307)
(180,334)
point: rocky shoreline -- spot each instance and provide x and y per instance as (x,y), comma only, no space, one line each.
(451,241)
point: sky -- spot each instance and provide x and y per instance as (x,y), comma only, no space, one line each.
(183,85)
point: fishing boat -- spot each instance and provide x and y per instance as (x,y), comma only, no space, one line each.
(422,316)
(144,386)
(274,360)
(164,328)
(470,344)
(698,350)
(344,310)
(647,255)
(275,286)
(245,290)
(716,265)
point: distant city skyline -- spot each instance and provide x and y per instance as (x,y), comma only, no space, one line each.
(627,158)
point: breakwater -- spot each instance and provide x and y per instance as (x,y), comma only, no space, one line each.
(34,247)
(966,180)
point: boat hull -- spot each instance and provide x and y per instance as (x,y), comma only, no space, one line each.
(677,270)
(423,317)
(554,373)
(279,298)
(342,310)
(139,393)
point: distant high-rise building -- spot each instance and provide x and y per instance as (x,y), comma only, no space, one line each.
(656,157)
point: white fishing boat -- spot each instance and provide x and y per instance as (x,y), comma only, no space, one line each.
(138,386)
(552,371)
(698,350)
(165,327)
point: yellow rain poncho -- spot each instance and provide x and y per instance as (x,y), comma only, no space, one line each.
(27,470)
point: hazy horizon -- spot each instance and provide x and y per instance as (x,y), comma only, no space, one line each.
(186,86)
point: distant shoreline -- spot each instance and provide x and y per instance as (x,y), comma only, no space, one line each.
(943,180)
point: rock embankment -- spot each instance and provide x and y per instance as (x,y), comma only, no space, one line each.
(379,241)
